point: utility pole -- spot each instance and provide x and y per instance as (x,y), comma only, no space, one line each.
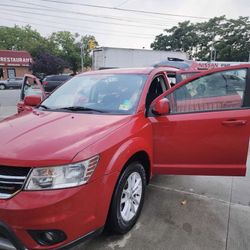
(82,56)
(212,54)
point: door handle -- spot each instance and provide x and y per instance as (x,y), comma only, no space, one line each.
(234,122)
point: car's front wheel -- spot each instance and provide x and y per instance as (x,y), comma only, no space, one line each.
(2,86)
(127,199)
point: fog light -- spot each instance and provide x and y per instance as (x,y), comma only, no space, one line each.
(48,237)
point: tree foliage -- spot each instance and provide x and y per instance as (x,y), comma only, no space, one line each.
(65,47)
(20,38)
(229,37)
(60,47)
(47,64)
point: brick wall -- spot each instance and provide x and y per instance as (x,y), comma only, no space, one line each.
(20,71)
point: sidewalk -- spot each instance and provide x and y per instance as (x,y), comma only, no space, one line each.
(188,213)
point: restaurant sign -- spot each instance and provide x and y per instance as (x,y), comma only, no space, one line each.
(15,58)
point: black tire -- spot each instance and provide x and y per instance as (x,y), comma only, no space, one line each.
(115,222)
(2,86)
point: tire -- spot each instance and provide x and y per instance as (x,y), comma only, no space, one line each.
(126,205)
(2,86)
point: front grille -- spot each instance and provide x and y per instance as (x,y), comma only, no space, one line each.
(12,180)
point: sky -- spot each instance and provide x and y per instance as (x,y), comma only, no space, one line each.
(117,25)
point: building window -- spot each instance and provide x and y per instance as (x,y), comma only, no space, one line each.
(11,73)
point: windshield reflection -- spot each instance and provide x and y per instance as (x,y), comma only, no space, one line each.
(112,93)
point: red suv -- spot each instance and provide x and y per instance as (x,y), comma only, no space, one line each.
(81,159)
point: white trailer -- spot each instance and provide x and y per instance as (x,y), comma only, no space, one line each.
(107,57)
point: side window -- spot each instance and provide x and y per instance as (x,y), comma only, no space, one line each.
(64,78)
(217,91)
(172,77)
(54,78)
(157,87)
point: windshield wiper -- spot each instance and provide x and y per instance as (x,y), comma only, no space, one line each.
(80,108)
(43,106)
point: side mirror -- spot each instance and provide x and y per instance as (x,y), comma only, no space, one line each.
(32,100)
(161,107)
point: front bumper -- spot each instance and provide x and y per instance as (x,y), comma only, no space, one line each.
(8,239)
(76,211)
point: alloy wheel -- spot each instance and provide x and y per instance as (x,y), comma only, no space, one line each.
(131,196)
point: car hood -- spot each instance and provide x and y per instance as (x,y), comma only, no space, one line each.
(41,138)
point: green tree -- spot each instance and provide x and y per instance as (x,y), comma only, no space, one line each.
(60,45)
(229,37)
(68,47)
(21,38)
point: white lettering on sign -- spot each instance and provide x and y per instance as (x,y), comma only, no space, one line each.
(16,59)
(212,65)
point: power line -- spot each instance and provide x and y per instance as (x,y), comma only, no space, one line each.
(68,11)
(122,3)
(86,14)
(94,32)
(127,10)
(109,32)
(127,20)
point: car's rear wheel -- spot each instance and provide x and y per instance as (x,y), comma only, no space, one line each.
(127,199)
(2,86)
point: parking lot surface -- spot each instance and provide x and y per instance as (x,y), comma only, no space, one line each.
(180,212)
(188,213)
(8,101)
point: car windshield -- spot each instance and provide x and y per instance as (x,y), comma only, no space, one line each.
(105,93)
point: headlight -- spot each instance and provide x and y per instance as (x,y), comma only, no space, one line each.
(71,175)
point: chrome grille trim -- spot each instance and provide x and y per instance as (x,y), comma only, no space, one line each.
(12,177)
(12,180)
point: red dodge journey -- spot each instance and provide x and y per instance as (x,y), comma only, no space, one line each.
(79,161)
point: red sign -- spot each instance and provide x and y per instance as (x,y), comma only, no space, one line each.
(15,58)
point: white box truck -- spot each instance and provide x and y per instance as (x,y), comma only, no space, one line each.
(108,57)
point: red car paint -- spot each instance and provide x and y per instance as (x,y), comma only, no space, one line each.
(201,143)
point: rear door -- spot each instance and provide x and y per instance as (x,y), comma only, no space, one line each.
(207,129)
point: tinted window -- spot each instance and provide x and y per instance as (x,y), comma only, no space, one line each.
(64,78)
(57,78)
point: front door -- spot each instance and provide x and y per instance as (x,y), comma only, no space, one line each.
(208,127)
(31,86)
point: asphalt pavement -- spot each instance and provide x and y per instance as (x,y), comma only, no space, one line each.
(180,212)
(8,101)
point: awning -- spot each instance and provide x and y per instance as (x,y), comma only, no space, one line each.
(15,58)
